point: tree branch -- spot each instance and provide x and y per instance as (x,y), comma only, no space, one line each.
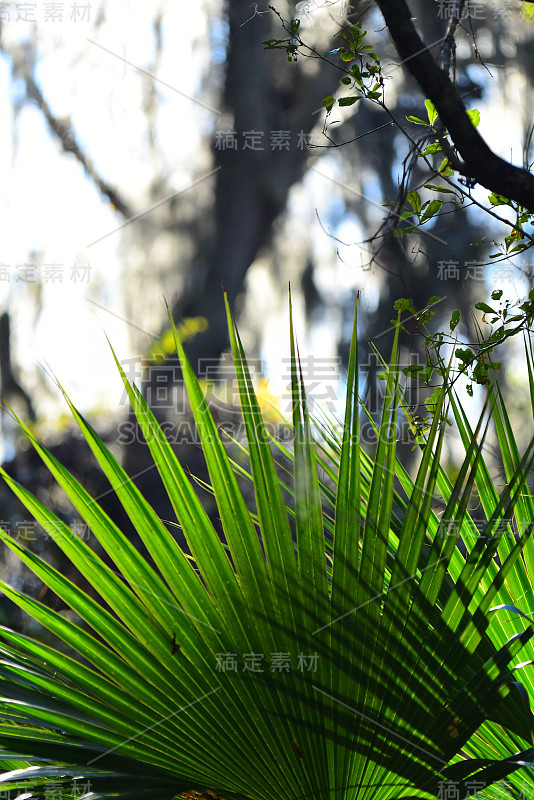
(479,161)
(23,68)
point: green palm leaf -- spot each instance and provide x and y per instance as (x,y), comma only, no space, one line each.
(366,662)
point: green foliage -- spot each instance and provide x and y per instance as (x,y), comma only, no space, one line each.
(361,66)
(455,319)
(505,321)
(414,684)
(474,116)
(363,76)
(422,211)
(431,111)
(516,241)
(291,43)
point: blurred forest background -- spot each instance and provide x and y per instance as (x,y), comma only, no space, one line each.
(156,151)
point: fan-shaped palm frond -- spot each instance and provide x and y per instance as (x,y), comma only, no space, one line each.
(289,659)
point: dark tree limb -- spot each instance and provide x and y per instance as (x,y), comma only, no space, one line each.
(22,67)
(68,141)
(10,387)
(479,162)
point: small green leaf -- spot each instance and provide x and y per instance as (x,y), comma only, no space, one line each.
(445,169)
(442,189)
(432,209)
(431,111)
(328,103)
(455,319)
(346,80)
(498,200)
(464,354)
(416,120)
(414,200)
(496,335)
(434,147)
(474,116)
(485,307)
(425,317)
(433,400)
(497,294)
(404,304)
(412,370)
(404,231)
(275,44)
(348,101)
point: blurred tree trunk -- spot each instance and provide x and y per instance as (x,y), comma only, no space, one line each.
(265,94)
